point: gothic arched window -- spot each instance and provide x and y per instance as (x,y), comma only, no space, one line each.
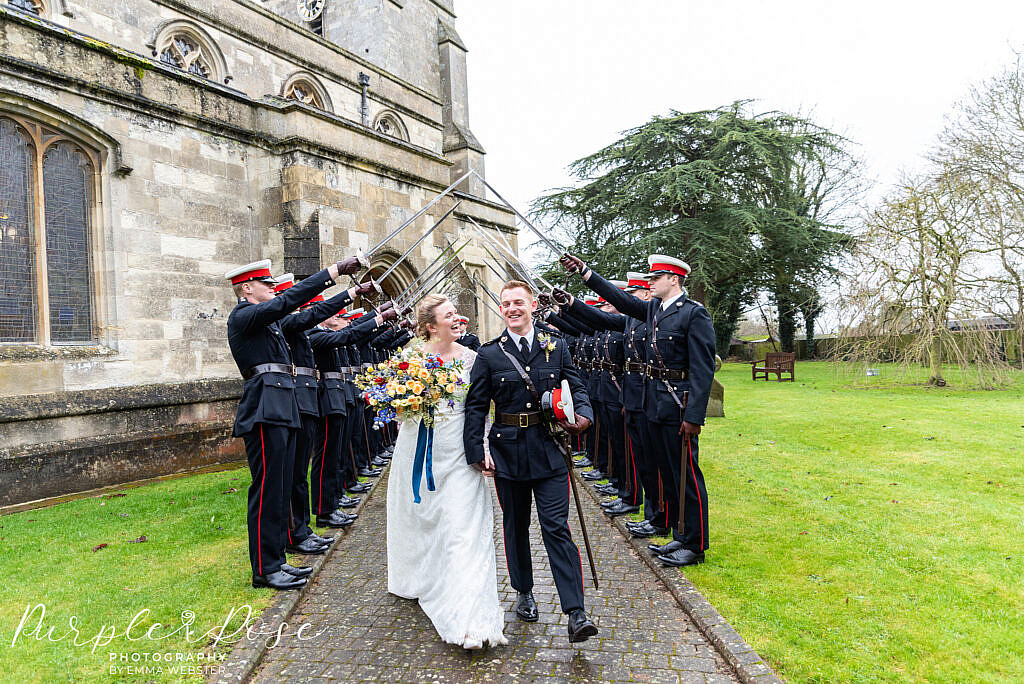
(186,46)
(47,199)
(307,89)
(389,123)
(33,6)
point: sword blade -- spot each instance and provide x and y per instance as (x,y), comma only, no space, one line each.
(521,269)
(416,244)
(551,245)
(396,231)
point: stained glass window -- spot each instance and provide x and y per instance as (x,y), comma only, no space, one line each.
(33,6)
(17,247)
(67,184)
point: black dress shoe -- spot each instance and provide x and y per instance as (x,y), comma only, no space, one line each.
(378,461)
(593,475)
(278,580)
(343,515)
(296,572)
(621,509)
(608,489)
(326,541)
(609,504)
(645,532)
(370,472)
(359,488)
(526,607)
(583,463)
(348,501)
(665,549)
(308,546)
(681,557)
(581,627)
(333,521)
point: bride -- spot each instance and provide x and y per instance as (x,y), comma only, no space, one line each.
(441,550)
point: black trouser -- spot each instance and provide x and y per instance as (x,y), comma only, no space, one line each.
(641,461)
(324,474)
(552,497)
(361,438)
(299,528)
(599,455)
(679,456)
(347,474)
(269,450)
(614,426)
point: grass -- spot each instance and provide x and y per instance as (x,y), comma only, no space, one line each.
(195,558)
(863,535)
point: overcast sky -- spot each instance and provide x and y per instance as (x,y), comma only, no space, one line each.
(551,81)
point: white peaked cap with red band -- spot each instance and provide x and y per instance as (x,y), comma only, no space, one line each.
(284,282)
(463,319)
(637,280)
(658,264)
(621,284)
(591,299)
(257,270)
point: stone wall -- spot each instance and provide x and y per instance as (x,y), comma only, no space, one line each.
(198,176)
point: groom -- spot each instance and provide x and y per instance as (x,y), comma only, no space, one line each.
(523,458)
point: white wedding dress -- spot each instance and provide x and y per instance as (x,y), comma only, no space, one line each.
(441,550)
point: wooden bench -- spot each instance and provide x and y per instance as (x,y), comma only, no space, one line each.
(778,363)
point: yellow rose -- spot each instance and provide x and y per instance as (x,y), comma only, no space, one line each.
(400,388)
(424,374)
(417,388)
(450,388)
(382,366)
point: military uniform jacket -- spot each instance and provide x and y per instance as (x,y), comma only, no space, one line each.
(685,339)
(519,453)
(329,350)
(634,386)
(296,329)
(255,338)
(470,341)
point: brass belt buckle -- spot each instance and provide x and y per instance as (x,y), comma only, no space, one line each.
(524,420)
(294,370)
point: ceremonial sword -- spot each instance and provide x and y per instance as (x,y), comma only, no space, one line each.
(416,244)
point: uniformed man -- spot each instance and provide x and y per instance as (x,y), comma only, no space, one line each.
(680,368)
(301,538)
(268,413)
(327,341)
(467,338)
(514,370)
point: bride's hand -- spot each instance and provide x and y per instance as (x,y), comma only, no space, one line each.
(486,466)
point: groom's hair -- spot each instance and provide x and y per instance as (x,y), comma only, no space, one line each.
(513,284)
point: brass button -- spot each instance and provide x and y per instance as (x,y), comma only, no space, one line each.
(529,405)
(527,369)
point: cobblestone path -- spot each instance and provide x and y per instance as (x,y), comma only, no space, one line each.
(370,635)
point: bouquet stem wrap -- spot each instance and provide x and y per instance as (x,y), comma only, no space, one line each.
(424,460)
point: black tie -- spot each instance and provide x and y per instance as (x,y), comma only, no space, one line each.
(525,347)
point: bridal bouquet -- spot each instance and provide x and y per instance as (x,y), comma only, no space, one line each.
(411,384)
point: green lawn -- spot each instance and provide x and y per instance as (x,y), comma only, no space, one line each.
(194,558)
(868,534)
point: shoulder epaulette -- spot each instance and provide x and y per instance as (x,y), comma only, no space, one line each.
(494,341)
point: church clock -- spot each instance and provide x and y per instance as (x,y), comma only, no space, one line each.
(309,10)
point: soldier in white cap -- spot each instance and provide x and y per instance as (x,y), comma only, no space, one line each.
(268,413)
(680,365)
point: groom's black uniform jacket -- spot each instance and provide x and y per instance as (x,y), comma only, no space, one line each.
(519,453)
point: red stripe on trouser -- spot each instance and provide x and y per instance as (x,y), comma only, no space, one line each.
(259,511)
(700,503)
(582,583)
(320,478)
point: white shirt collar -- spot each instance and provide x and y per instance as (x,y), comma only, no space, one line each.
(665,303)
(528,336)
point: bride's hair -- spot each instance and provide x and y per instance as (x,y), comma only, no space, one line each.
(425,313)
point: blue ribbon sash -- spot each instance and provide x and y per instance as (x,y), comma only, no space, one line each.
(424,456)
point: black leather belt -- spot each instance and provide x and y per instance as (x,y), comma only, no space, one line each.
(332,375)
(269,368)
(311,372)
(635,366)
(609,366)
(667,373)
(518,419)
